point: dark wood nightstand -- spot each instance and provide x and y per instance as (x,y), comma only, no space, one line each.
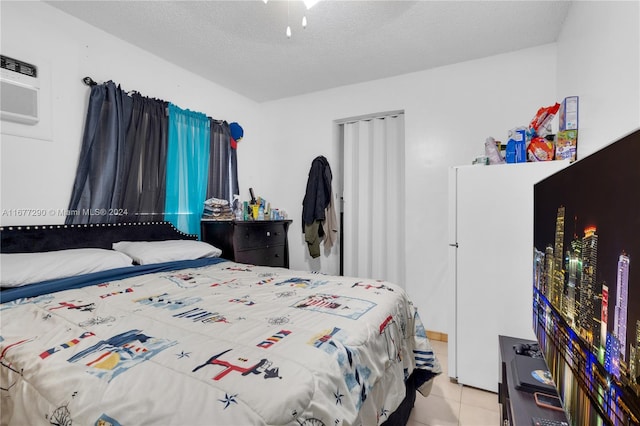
(256,242)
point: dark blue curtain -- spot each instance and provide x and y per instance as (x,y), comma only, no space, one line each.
(223,165)
(98,179)
(146,161)
(122,164)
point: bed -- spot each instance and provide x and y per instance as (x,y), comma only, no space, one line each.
(164,334)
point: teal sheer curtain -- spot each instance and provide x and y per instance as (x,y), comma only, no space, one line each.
(187,168)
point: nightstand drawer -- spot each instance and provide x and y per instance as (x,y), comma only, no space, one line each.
(271,256)
(255,242)
(258,236)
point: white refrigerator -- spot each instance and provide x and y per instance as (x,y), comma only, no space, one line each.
(490,264)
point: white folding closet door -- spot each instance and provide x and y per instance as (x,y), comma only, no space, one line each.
(374,198)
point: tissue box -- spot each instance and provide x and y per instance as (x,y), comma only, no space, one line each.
(568,114)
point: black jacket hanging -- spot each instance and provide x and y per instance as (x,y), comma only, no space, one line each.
(315,202)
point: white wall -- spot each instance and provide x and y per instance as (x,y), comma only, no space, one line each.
(39,174)
(599,60)
(449,112)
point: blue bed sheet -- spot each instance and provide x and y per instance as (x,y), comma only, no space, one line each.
(78,281)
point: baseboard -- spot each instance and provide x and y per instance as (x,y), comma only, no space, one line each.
(436,335)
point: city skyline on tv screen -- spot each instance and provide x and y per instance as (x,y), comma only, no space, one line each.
(587,267)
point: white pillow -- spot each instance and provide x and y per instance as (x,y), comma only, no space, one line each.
(19,269)
(147,252)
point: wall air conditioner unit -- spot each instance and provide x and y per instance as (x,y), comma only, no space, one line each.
(19,89)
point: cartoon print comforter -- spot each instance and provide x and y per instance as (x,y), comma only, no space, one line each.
(226,344)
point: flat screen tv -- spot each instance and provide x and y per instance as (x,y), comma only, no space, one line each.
(586,283)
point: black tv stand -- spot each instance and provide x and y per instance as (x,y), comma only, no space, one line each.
(518,408)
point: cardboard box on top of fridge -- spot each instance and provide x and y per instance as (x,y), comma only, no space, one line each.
(568,114)
(567,145)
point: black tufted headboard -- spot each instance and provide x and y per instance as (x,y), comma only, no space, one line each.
(38,238)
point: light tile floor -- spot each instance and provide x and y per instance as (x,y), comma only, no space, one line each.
(452,404)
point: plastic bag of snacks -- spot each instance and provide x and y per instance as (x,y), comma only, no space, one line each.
(542,120)
(540,149)
(492,152)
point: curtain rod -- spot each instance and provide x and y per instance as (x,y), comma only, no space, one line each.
(90,82)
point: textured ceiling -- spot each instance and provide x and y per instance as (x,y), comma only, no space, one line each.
(242,44)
